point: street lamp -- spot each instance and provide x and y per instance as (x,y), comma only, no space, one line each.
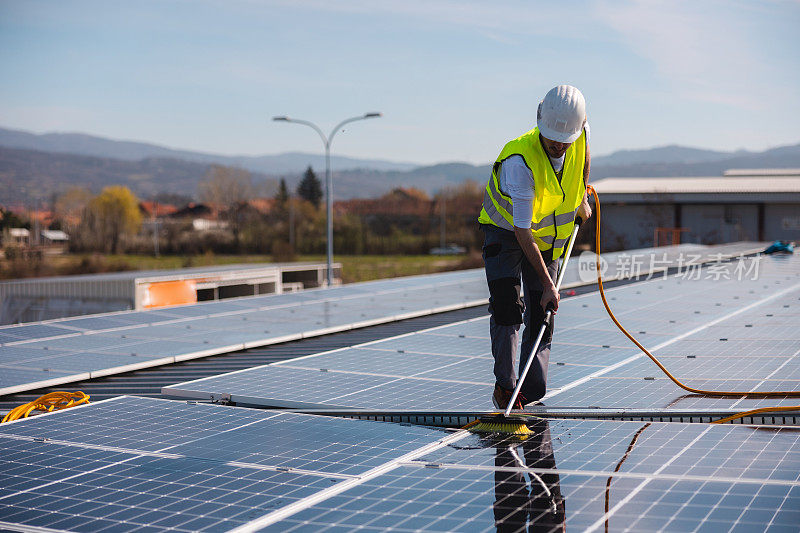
(328,182)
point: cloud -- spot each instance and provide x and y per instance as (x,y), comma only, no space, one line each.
(705,51)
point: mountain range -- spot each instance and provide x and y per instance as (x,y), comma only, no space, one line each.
(33,165)
(82,144)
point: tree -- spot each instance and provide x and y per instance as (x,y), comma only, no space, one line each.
(283,194)
(226,186)
(109,216)
(228,189)
(69,205)
(310,188)
(12,220)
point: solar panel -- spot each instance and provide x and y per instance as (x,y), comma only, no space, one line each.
(742,367)
(32,331)
(10,376)
(108,322)
(367,360)
(23,354)
(84,362)
(81,342)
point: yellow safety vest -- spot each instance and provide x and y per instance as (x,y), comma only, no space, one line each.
(555,203)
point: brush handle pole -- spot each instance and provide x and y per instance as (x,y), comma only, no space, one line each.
(546,320)
(528,364)
(568,252)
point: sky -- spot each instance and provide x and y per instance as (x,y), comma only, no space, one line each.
(454,79)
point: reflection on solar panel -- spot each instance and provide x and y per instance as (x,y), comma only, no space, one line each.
(592,364)
(62,351)
(134,463)
(675,477)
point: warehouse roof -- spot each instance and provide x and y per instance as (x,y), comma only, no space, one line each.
(698,185)
(196,466)
(762,172)
(172,273)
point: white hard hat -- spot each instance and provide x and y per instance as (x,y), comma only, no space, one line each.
(562,114)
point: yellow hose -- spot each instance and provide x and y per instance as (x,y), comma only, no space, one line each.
(52,401)
(752,394)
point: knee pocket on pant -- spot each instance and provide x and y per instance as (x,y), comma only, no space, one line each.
(505,304)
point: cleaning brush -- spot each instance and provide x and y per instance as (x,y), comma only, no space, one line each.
(497,423)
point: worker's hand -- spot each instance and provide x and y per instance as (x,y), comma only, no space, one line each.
(585,210)
(550,296)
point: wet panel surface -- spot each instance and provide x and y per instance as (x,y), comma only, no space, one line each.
(580,475)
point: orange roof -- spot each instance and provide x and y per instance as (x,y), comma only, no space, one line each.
(262,205)
(403,201)
(157,209)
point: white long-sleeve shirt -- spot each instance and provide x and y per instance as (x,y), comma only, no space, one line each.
(516,180)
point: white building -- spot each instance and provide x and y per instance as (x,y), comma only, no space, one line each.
(34,299)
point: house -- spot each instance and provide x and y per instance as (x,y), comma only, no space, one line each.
(19,236)
(54,241)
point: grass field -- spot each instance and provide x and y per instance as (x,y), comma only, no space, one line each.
(354,267)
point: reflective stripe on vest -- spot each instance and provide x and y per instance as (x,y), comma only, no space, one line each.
(555,203)
(492,208)
(561,219)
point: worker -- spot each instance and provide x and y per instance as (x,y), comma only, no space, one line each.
(537,187)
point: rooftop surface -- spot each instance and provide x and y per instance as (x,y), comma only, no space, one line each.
(759,172)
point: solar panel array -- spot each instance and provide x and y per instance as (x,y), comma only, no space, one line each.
(61,351)
(136,464)
(73,349)
(718,334)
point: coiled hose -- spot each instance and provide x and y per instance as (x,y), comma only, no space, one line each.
(52,401)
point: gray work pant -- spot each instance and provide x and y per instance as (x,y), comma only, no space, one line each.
(510,306)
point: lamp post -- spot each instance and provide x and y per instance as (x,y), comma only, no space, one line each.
(328,182)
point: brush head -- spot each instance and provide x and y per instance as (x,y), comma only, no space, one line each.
(511,425)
